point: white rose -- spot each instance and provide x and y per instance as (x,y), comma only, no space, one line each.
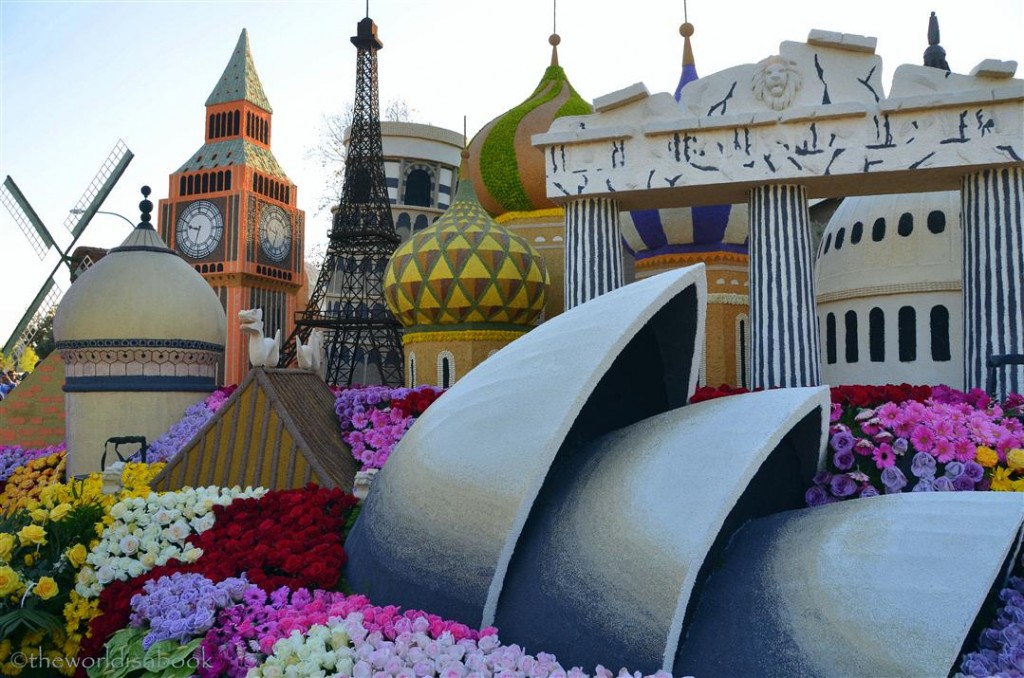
(105,574)
(117,511)
(148,560)
(135,568)
(179,530)
(129,545)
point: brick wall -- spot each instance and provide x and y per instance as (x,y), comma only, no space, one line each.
(33,414)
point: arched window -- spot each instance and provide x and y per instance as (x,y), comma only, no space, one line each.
(421,223)
(220,124)
(206,182)
(445,369)
(840,234)
(742,349)
(181,186)
(248,124)
(876,335)
(828,243)
(418,188)
(235,128)
(227,181)
(940,332)
(852,348)
(936,221)
(191,185)
(906,225)
(404,225)
(212,128)
(830,338)
(412,369)
(907,323)
(287,195)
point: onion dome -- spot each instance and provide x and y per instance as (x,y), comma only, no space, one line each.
(885,244)
(507,171)
(466,270)
(141,290)
(690,230)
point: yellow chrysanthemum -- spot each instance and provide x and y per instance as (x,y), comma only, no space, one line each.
(986,456)
(1001,480)
(1015,459)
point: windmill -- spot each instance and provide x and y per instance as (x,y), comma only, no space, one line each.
(42,241)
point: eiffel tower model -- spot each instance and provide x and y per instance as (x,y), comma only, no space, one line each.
(362,341)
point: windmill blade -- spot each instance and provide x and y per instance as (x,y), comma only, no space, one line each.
(26,218)
(48,297)
(98,190)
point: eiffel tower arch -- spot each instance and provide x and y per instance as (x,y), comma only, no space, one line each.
(362,339)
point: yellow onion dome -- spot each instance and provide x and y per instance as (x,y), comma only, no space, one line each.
(466,270)
(507,171)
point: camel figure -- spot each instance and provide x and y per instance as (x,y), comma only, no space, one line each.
(309,356)
(263,351)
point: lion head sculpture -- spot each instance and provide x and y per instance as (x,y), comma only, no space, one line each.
(776,82)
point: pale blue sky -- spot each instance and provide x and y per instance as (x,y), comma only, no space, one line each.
(77,76)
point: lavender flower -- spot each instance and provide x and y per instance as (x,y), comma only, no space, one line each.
(954,470)
(843,460)
(974,471)
(900,446)
(942,484)
(869,491)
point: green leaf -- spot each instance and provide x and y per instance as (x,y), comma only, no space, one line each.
(31,619)
(168,659)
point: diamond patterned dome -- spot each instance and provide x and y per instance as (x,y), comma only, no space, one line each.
(466,269)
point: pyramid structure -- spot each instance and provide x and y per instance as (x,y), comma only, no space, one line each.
(277,430)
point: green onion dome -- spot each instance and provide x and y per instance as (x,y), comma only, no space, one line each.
(507,171)
(466,270)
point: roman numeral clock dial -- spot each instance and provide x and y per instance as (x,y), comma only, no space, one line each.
(199,229)
(275,233)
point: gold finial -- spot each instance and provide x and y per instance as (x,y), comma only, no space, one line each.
(686,30)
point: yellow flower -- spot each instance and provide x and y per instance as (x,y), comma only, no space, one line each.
(1015,459)
(76,555)
(60,511)
(32,534)
(987,457)
(1001,480)
(1018,485)
(46,588)
(9,581)
(40,515)
(30,559)
(7,541)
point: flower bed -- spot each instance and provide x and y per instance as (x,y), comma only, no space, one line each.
(170,443)
(374,418)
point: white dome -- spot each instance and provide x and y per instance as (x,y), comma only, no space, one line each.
(888,244)
(141,290)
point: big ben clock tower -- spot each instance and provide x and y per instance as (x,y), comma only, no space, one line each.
(231,211)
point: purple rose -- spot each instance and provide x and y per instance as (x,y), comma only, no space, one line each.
(900,446)
(974,471)
(924,485)
(843,485)
(893,479)
(816,496)
(963,484)
(975,665)
(842,441)
(954,469)
(923,465)
(869,491)
(942,484)
(843,460)
(822,478)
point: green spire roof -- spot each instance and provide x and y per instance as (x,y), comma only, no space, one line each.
(240,81)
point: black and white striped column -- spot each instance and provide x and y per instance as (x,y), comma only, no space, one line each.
(593,249)
(784,348)
(993,275)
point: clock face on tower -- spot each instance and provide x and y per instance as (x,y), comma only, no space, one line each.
(275,233)
(200,229)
